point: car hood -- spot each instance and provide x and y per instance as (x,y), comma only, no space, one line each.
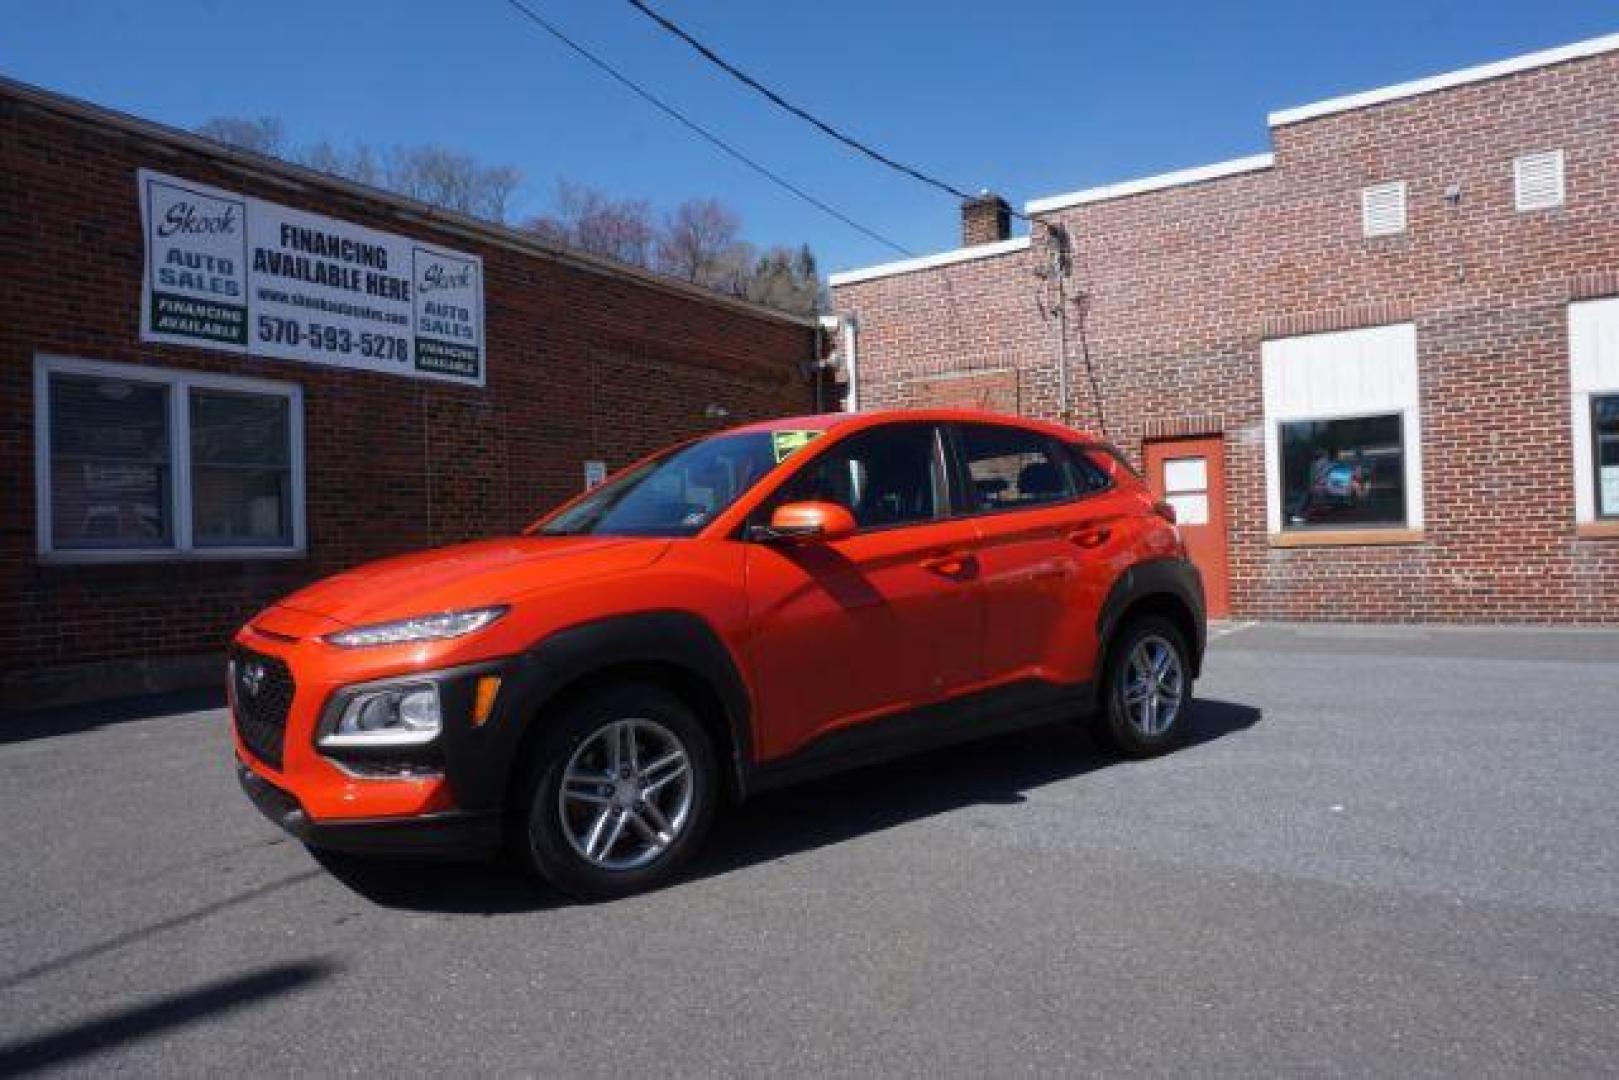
(468,575)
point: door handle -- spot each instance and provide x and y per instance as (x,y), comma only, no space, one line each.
(1090,537)
(949,564)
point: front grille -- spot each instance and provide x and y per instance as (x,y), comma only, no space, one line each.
(261,691)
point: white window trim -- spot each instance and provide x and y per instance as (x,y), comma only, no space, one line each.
(1589,377)
(1408,409)
(179,383)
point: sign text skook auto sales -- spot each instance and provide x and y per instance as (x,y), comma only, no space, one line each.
(225,271)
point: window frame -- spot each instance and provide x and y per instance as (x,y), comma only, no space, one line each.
(1303,377)
(1592,399)
(179,384)
(1404,524)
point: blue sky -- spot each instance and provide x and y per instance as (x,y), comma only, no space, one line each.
(1027,97)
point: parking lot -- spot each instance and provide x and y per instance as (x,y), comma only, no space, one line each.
(1384,850)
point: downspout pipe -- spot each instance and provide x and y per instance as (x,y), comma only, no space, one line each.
(848,329)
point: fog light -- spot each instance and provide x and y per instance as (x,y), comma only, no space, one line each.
(388,716)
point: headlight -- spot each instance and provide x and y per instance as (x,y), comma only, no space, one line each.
(406,715)
(446,624)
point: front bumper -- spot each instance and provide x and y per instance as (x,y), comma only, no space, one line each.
(452,833)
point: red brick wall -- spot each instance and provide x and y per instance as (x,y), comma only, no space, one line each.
(1178,288)
(580,365)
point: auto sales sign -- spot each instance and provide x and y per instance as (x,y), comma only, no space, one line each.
(224,271)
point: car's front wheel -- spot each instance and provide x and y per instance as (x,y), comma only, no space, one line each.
(1147,688)
(623,791)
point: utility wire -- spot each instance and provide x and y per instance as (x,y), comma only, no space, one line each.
(698,129)
(798,111)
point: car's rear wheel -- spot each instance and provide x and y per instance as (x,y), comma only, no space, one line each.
(1147,688)
(623,791)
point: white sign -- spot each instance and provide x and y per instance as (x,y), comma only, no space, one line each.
(595,474)
(1189,509)
(225,271)
(1186,474)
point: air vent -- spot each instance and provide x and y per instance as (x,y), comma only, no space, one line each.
(1537,180)
(1382,209)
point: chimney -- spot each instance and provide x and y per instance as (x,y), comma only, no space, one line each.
(985,219)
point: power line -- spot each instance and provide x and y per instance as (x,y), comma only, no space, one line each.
(699,130)
(798,111)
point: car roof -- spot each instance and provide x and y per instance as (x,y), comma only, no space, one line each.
(877,417)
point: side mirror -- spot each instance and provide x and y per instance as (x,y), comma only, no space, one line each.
(808,521)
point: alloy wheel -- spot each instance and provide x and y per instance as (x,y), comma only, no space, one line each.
(626,795)
(1154,686)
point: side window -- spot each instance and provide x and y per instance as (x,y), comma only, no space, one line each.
(889,476)
(1009,468)
(1089,475)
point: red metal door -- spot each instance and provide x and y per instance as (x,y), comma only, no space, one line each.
(1189,474)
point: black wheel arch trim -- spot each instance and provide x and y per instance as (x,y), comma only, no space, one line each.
(479,760)
(1170,577)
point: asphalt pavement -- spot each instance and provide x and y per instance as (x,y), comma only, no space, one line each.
(1384,851)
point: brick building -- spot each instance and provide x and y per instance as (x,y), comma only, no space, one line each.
(1376,368)
(175,458)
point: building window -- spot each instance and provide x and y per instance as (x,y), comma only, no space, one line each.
(1345,472)
(1593,352)
(137,462)
(1382,209)
(1537,181)
(1343,436)
(241,469)
(1605,437)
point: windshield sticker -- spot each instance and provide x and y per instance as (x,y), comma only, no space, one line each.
(788,443)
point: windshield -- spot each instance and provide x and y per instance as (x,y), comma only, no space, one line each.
(675,494)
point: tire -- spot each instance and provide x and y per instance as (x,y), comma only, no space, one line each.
(1135,719)
(600,838)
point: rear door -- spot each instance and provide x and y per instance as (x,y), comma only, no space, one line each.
(884,620)
(1049,529)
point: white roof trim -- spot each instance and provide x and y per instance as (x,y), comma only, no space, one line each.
(1255,163)
(928,262)
(1576,51)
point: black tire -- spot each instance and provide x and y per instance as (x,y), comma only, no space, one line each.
(1118,722)
(550,838)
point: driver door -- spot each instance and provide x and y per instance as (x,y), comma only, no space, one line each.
(890,618)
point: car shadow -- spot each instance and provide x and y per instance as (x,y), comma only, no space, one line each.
(996,771)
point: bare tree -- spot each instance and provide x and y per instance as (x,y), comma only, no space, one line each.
(262,135)
(432,174)
(359,164)
(454,181)
(592,221)
(700,244)
(699,241)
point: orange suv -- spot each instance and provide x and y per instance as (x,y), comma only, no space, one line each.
(741,611)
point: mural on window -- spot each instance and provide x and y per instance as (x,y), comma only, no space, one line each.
(1605,431)
(1343,473)
(110,468)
